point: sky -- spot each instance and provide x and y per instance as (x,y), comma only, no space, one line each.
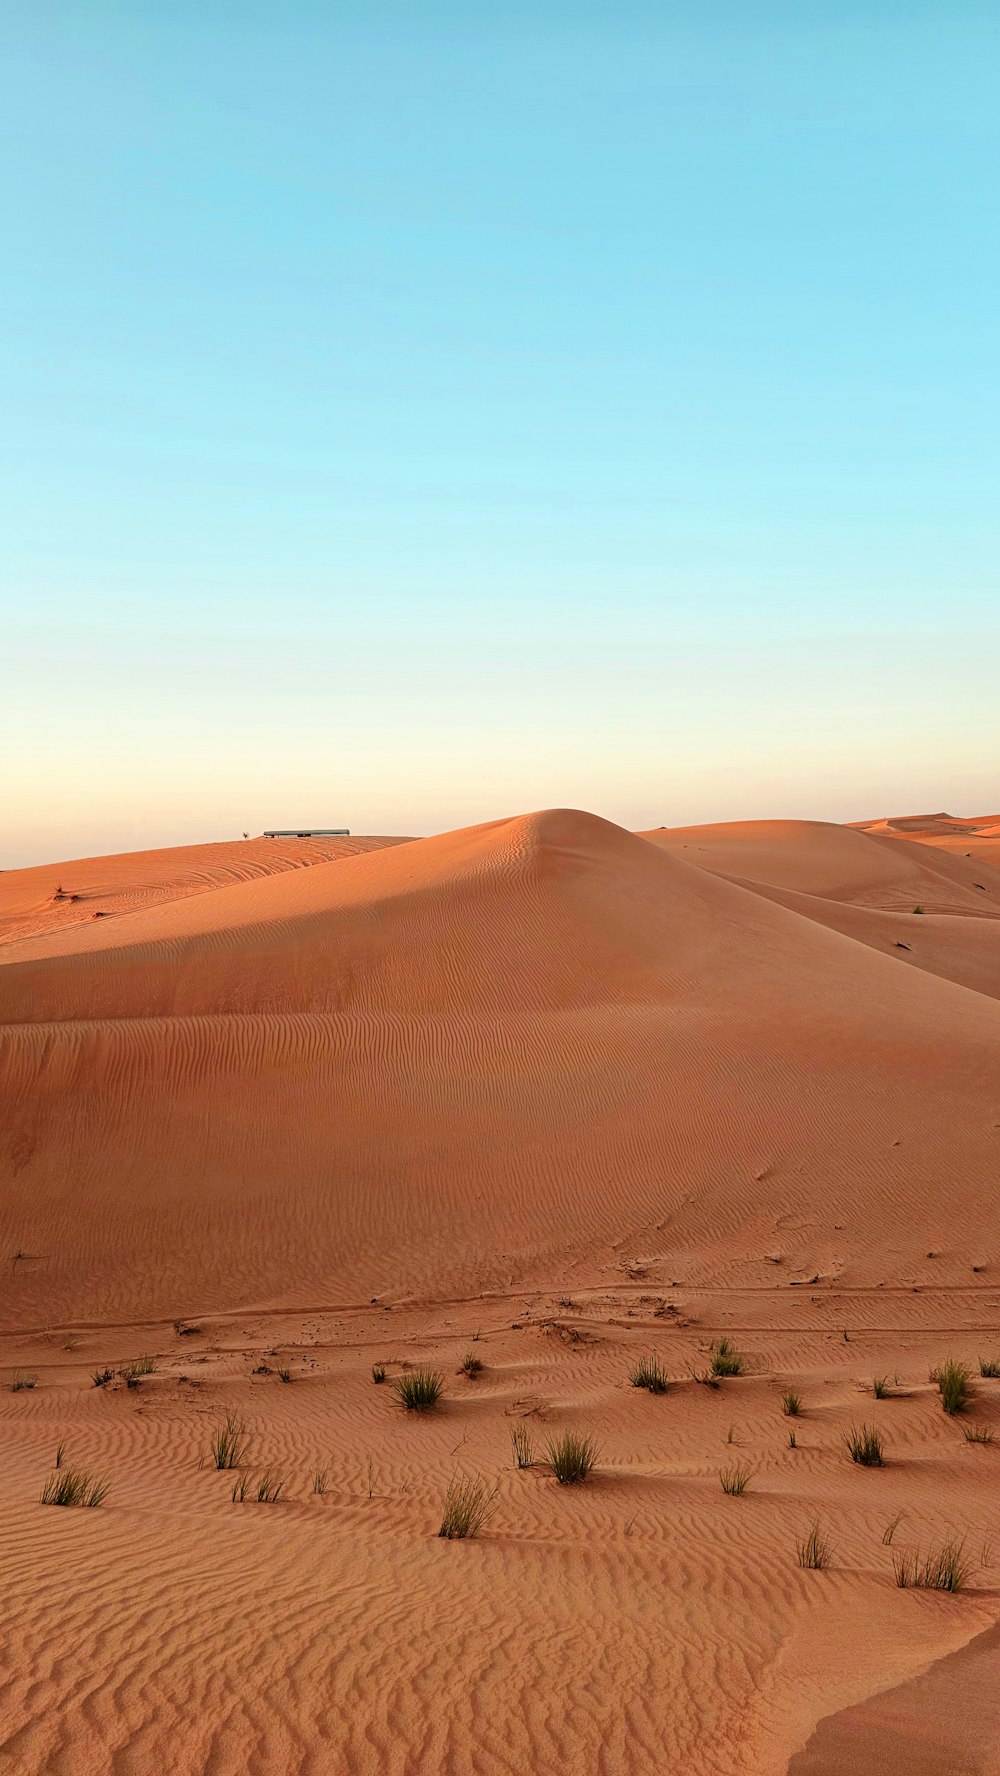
(416,414)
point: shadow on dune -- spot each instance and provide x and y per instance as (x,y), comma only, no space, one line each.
(946,1722)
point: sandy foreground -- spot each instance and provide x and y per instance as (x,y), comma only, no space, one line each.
(559,1096)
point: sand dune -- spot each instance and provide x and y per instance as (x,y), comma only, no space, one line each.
(575,1090)
(873,893)
(51,897)
(839,863)
(976,838)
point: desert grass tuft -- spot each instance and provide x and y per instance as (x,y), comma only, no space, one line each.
(954,1385)
(650,1374)
(978,1433)
(378,1373)
(269,1487)
(60,1453)
(814,1550)
(468,1505)
(102,1377)
(882,1387)
(990,1368)
(791,1404)
(283,1372)
(792,1440)
(72,1486)
(734,1480)
(241,1487)
(865,1446)
(137,1370)
(419,1390)
(229,1443)
(891,1528)
(571,1457)
(22,1380)
(724,1359)
(946,1570)
(319,1481)
(63,1488)
(472,1365)
(522,1446)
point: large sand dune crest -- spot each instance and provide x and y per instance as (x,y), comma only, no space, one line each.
(547,1015)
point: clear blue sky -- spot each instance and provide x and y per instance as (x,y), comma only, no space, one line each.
(418,413)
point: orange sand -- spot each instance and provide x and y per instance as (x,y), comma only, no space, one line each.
(573,1093)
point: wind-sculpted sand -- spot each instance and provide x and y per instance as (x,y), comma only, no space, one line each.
(560,1096)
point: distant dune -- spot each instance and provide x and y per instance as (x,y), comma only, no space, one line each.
(745,1072)
(977,837)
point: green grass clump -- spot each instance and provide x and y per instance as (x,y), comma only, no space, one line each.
(23,1379)
(378,1373)
(650,1374)
(792,1440)
(72,1486)
(283,1372)
(269,1487)
(419,1390)
(734,1480)
(865,1446)
(791,1404)
(137,1370)
(978,1433)
(102,1377)
(990,1368)
(882,1387)
(571,1457)
(954,1385)
(467,1506)
(523,1447)
(241,1487)
(472,1365)
(229,1443)
(724,1359)
(947,1570)
(814,1550)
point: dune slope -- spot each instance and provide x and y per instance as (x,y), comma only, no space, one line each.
(434,1065)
